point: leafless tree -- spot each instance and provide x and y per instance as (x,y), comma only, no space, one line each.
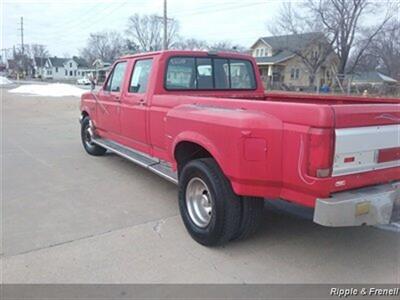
(195,44)
(227,46)
(384,51)
(38,50)
(147,32)
(340,21)
(106,45)
(191,44)
(22,60)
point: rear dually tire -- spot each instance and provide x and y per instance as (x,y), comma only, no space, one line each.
(209,208)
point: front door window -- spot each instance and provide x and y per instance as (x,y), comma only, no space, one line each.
(114,83)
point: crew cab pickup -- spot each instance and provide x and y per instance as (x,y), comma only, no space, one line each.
(203,121)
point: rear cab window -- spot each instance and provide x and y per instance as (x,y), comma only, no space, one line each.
(209,73)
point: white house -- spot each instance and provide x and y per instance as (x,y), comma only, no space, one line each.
(64,68)
(38,65)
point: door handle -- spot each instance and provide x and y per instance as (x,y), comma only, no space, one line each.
(117,98)
(141,102)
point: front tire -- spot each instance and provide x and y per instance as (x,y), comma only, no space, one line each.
(86,138)
(209,208)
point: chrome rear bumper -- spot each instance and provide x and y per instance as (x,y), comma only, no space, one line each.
(366,206)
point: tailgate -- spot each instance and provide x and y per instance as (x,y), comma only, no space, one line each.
(363,149)
(367,138)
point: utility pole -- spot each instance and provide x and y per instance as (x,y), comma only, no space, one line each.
(22,34)
(165,44)
(164,19)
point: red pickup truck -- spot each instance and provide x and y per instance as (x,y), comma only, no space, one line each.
(204,121)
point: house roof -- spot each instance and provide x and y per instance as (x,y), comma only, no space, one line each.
(40,61)
(100,62)
(278,57)
(82,63)
(292,42)
(372,77)
(58,61)
(285,46)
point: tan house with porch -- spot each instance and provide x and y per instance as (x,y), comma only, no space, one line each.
(281,66)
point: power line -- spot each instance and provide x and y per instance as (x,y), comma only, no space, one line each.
(61,34)
(217,8)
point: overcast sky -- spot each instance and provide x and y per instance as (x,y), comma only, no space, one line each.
(64,25)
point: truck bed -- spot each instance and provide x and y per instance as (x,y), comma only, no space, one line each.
(294,97)
(326,99)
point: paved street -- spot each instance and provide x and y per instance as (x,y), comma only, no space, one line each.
(68,217)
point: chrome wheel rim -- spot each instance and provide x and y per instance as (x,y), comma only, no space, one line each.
(87,136)
(199,202)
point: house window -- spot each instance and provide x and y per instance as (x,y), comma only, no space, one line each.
(294,74)
(56,69)
(75,73)
(262,52)
(70,73)
(70,64)
(66,73)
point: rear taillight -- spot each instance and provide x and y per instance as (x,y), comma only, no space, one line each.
(320,152)
(391,154)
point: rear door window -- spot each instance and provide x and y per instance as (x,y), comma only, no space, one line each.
(140,76)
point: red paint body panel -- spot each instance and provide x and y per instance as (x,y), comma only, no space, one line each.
(260,140)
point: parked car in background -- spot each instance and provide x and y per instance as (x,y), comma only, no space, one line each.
(83,81)
(204,121)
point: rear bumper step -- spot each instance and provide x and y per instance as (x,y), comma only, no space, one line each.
(366,206)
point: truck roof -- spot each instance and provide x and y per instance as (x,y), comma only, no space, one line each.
(189,52)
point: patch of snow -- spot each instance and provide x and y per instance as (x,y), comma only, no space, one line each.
(386,78)
(49,90)
(4,81)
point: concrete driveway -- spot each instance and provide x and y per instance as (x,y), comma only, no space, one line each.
(69,217)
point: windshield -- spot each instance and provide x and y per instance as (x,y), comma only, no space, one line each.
(203,73)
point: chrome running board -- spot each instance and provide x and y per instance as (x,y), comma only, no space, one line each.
(156,166)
